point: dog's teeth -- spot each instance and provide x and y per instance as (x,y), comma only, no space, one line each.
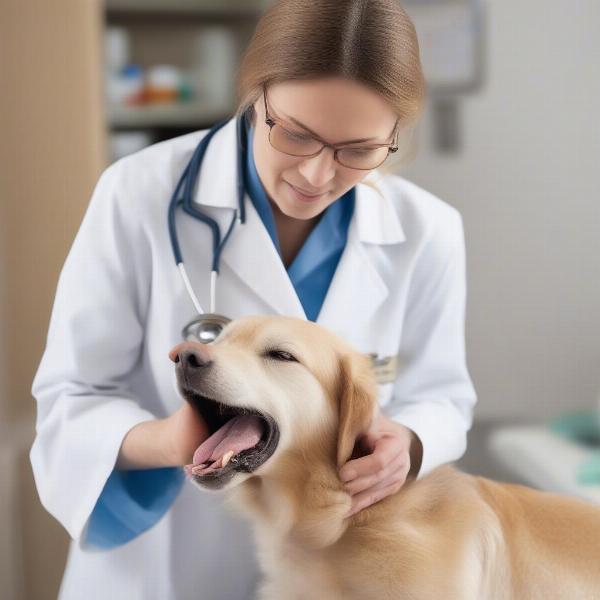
(226,458)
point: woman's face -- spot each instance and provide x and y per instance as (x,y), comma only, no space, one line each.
(335,109)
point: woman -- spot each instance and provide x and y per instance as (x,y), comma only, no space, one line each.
(328,90)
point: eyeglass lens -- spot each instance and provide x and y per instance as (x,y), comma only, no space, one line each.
(298,144)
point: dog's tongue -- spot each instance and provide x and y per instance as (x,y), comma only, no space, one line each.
(240,433)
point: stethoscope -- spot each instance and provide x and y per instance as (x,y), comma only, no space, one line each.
(207,326)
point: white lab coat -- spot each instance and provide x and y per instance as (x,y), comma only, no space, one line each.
(120,306)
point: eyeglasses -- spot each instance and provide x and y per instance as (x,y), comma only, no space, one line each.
(294,143)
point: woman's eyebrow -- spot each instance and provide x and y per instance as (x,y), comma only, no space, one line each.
(318,136)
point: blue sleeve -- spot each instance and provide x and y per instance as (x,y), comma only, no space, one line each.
(132,502)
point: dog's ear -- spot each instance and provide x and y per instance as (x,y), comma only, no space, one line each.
(357,402)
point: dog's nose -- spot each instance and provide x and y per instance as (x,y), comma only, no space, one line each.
(191,355)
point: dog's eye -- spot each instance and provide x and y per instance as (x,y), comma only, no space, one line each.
(281,355)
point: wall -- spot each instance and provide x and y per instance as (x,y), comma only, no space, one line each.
(526,183)
(52,149)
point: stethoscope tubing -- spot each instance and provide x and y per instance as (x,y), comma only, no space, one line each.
(187,181)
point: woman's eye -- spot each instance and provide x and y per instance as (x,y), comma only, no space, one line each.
(281,355)
(358,151)
(297,136)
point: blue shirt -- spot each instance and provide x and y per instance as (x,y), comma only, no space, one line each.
(132,502)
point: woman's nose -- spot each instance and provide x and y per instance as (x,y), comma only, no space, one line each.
(319,170)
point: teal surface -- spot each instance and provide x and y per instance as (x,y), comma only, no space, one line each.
(583,428)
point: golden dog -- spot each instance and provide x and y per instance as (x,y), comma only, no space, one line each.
(285,400)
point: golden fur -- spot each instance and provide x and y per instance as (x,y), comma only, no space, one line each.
(449,535)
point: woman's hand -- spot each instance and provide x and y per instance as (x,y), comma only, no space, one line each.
(393,448)
(182,433)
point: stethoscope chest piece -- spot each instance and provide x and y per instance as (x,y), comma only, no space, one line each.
(205,329)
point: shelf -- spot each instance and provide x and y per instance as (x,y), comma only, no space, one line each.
(183,114)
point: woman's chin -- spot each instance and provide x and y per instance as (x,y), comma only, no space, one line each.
(294,208)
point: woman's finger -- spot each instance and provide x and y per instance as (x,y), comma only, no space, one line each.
(385,447)
(367,481)
(371,496)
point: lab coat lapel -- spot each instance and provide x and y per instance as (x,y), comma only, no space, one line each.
(357,289)
(253,257)
(249,252)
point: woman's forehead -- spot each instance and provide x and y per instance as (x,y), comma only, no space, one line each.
(336,109)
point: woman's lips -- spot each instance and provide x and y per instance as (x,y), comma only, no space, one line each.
(303,197)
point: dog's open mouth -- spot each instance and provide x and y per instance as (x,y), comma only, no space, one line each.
(241,439)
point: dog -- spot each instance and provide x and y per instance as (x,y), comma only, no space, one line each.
(285,401)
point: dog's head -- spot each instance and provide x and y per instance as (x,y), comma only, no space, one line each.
(270,386)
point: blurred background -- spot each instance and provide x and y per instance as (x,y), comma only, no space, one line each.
(510,137)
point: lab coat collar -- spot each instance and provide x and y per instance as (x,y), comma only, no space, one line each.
(376,218)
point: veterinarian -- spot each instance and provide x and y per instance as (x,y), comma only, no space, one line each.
(330,93)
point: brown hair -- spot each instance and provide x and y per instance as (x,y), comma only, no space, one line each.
(371,41)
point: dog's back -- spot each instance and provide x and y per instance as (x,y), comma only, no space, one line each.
(553,540)
(469,537)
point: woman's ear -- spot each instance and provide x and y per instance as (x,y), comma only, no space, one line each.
(357,402)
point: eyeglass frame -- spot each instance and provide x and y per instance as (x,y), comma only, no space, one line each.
(272,121)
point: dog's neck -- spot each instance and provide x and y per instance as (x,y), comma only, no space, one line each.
(303,504)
